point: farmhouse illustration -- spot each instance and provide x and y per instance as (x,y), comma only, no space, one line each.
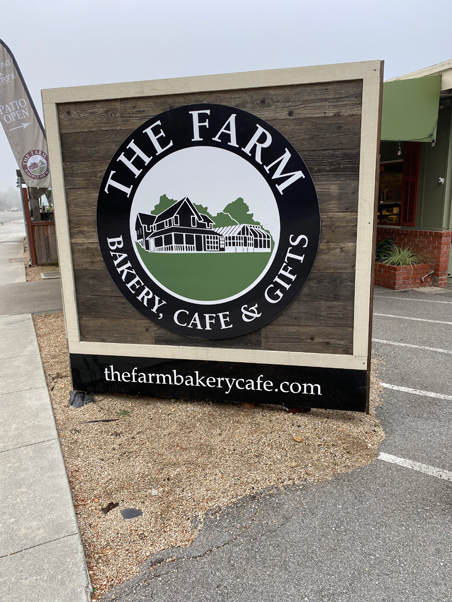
(183,229)
(37,167)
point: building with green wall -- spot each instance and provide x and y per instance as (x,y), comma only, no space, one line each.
(415,197)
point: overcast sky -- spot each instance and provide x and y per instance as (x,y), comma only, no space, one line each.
(59,43)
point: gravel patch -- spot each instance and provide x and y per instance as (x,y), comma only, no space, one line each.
(174,461)
(33,273)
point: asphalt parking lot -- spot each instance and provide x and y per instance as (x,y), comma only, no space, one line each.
(380,533)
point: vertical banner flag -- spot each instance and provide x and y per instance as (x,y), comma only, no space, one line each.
(21,123)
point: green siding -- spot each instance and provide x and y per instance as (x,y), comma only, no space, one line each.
(448,183)
(435,199)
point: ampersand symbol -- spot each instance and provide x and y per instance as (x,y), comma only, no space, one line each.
(248,315)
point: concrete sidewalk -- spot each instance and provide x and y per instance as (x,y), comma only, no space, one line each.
(41,553)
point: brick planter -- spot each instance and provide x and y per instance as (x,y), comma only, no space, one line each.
(402,277)
(434,245)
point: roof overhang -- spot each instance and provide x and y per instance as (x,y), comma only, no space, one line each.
(410,108)
(444,68)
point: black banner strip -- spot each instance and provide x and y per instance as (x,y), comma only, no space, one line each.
(291,386)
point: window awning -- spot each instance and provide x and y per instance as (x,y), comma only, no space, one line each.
(410,109)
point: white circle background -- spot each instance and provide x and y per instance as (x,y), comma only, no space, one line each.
(34,158)
(212,177)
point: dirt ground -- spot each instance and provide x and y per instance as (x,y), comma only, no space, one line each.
(175,460)
(34,273)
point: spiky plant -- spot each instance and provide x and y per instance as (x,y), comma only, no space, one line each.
(382,249)
(400,256)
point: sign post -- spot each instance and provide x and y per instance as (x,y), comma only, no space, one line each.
(218,243)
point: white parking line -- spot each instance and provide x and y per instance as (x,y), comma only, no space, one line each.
(448,351)
(416,319)
(411,299)
(417,391)
(430,470)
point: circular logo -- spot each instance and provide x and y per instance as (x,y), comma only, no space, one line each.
(208,221)
(35,164)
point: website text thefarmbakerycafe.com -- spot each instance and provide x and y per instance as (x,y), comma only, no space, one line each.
(214,382)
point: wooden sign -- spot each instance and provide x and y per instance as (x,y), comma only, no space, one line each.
(216,234)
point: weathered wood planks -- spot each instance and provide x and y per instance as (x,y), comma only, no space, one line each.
(295,102)
(44,239)
(314,133)
(322,121)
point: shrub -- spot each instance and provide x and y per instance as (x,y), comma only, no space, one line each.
(392,254)
(382,249)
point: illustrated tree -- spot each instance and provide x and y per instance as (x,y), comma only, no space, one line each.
(240,212)
(223,219)
(164,203)
(202,209)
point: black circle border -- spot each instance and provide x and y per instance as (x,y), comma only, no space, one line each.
(113,218)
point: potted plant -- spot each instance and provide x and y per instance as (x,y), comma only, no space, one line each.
(399,267)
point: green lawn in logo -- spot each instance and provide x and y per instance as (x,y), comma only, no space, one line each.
(205,276)
(37,171)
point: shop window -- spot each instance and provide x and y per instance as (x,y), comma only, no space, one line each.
(399,182)
(390,193)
